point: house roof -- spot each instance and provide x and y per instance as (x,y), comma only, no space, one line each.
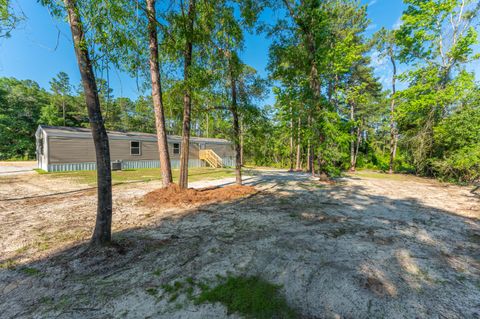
(82,132)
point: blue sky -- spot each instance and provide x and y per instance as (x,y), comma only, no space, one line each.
(42,47)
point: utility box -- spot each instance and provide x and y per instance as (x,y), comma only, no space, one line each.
(117,165)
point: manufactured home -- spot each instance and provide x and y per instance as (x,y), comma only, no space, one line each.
(71,149)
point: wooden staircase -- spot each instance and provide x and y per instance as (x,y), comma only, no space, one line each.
(211,158)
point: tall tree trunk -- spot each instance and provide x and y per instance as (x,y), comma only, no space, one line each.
(63,111)
(312,159)
(291,138)
(312,156)
(309,166)
(208,124)
(157,96)
(320,164)
(393,135)
(352,136)
(395,148)
(103,226)
(355,154)
(314,78)
(352,152)
(236,126)
(187,100)
(315,87)
(309,146)
(330,91)
(298,164)
(241,142)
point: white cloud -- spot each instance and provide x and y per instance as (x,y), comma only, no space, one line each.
(371,26)
(372,2)
(383,71)
(475,68)
(397,23)
(377,60)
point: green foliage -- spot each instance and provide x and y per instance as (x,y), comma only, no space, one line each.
(457,145)
(49,115)
(461,165)
(40,171)
(252,297)
(20,105)
(151,291)
(30,271)
(144,174)
(24,106)
(9,264)
(438,31)
(10,17)
(329,105)
(348,111)
(437,37)
(318,60)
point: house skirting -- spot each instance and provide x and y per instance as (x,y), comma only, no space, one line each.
(91,166)
(71,167)
(228,161)
(156,164)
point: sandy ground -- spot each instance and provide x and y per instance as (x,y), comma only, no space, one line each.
(17,167)
(362,248)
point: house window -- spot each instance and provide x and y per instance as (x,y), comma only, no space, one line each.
(176,148)
(135,148)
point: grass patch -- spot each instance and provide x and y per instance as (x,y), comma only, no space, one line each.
(46,301)
(174,291)
(380,175)
(145,174)
(249,296)
(151,291)
(8,264)
(30,271)
(177,285)
(474,237)
(21,250)
(339,232)
(40,171)
(42,246)
(158,272)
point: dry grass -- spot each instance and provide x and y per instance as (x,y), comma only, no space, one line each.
(381,175)
(175,196)
(145,174)
(365,247)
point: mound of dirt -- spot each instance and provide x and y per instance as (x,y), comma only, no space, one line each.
(173,195)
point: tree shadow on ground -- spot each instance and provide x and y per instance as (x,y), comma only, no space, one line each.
(337,251)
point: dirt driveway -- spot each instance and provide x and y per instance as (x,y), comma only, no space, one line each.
(17,167)
(369,246)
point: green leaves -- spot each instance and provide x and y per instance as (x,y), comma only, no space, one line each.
(462,49)
(438,37)
(10,18)
(438,32)
(318,60)
(20,104)
(318,63)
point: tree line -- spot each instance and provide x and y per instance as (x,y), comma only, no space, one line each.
(331,113)
(25,105)
(335,112)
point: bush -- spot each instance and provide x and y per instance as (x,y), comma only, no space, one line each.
(250,296)
(461,165)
